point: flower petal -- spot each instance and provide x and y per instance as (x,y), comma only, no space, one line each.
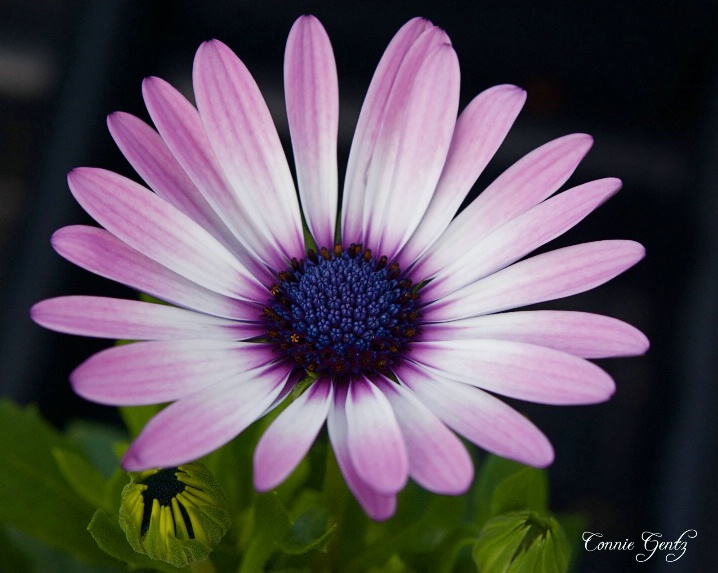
(525,184)
(181,128)
(579,333)
(205,420)
(518,370)
(155,228)
(478,416)
(134,320)
(520,236)
(288,439)
(245,141)
(479,131)
(375,441)
(102,253)
(312,97)
(438,461)
(372,116)
(377,505)
(151,158)
(164,370)
(548,276)
(410,154)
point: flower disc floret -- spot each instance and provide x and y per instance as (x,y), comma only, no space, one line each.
(343,312)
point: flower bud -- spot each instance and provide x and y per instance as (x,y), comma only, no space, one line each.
(174,515)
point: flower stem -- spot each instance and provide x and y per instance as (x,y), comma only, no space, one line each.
(205,566)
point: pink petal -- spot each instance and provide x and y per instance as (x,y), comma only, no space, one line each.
(578,333)
(478,416)
(479,131)
(371,118)
(375,441)
(134,320)
(181,128)
(155,228)
(245,141)
(528,182)
(205,420)
(518,370)
(312,97)
(165,370)
(151,158)
(520,236)
(438,461)
(410,155)
(377,505)
(548,276)
(290,436)
(102,253)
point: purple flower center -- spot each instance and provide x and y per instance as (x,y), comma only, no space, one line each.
(342,312)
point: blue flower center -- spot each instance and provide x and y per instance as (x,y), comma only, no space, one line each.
(343,312)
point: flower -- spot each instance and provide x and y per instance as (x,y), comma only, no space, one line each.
(398,313)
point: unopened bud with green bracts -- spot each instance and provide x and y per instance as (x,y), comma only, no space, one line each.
(174,515)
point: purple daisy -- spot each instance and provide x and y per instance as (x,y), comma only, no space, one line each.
(398,313)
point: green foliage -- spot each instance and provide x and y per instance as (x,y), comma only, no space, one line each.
(55,486)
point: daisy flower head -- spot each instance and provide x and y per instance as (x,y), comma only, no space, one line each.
(400,310)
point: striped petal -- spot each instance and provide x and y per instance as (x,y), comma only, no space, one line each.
(479,131)
(102,253)
(375,442)
(417,36)
(205,420)
(410,157)
(520,236)
(579,333)
(161,371)
(556,274)
(518,370)
(151,158)
(377,505)
(478,416)
(312,97)
(528,182)
(245,141)
(181,128)
(438,461)
(134,320)
(152,226)
(288,439)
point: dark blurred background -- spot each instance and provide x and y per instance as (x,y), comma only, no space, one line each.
(639,75)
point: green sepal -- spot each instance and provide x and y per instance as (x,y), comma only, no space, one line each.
(111,539)
(522,542)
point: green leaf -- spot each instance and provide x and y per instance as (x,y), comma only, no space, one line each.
(522,542)
(13,558)
(98,442)
(527,489)
(110,538)
(84,478)
(503,485)
(35,497)
(270,526)
(312,530)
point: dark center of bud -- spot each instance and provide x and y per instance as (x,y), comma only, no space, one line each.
(342,312)
(162,486)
